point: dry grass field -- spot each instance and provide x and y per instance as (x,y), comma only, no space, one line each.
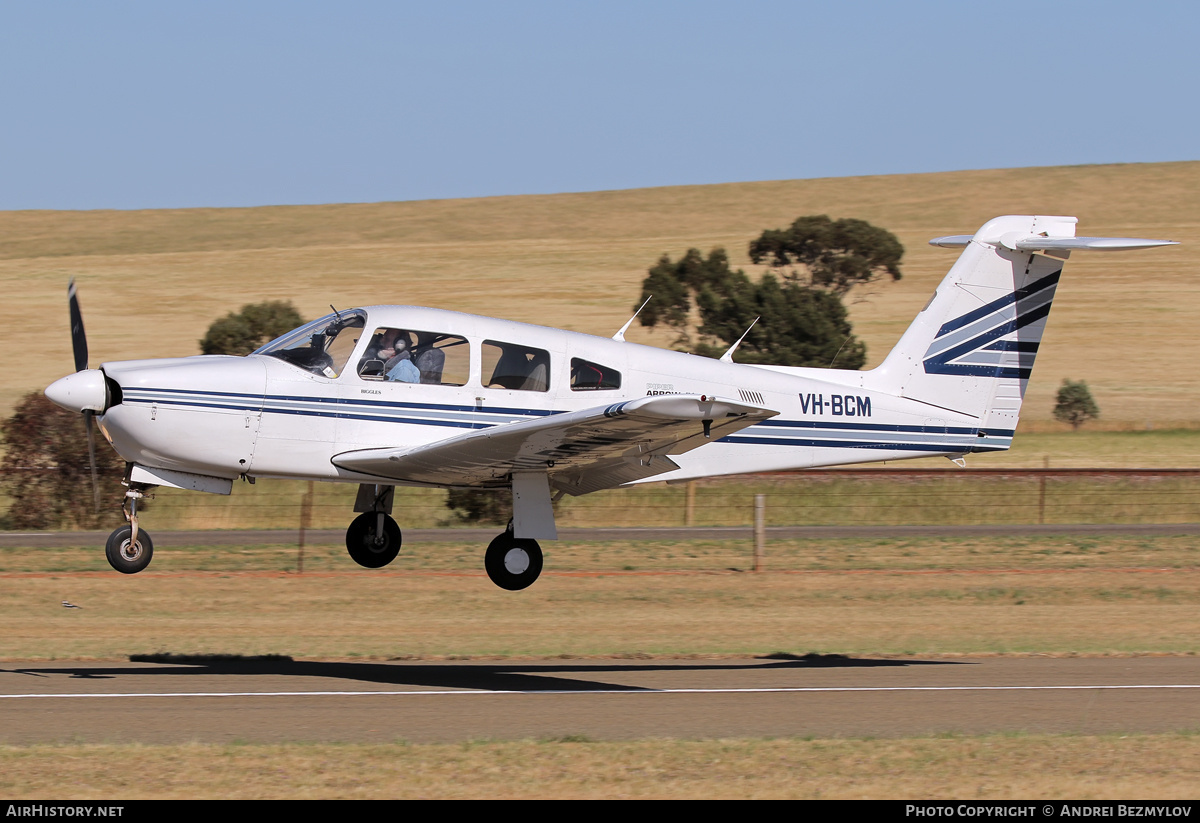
(903,596)
(1000,767)
(152,281)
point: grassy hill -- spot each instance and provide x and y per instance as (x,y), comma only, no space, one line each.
(152,281)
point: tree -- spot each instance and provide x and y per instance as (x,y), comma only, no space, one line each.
(796,327)
(254,325)
(49,476)
(836,254)
(803,321)
(1074,404)
(673,285)
(488,506)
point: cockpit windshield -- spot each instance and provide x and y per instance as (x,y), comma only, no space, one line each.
(322,346)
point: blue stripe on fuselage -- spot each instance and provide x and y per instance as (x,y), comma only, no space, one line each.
(944,438)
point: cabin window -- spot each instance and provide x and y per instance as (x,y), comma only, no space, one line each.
(407,356)
(322,346)
(519,368)
(589,376)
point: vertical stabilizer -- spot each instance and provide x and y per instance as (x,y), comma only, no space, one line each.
(971,349)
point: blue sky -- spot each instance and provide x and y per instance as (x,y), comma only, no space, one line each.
(152,105)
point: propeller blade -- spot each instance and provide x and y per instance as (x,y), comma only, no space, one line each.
(78,338)
(87,420)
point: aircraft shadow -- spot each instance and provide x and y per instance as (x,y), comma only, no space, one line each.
(516,676)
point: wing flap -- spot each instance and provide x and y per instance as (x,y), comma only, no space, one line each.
(581,451)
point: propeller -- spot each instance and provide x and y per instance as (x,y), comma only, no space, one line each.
(78,338)
(80,348)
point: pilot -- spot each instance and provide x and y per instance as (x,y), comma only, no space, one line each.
(384,344)
(398,365)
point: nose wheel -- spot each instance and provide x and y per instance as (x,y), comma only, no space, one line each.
(373,540)
(513,563)
(126,553)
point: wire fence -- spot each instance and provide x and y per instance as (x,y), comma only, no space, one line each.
(830,497)
(754,504)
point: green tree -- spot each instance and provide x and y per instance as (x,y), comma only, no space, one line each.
(48,472)
(803,321)
(835,254)
(1074,404)
(675,284)
(254,325)
(796,327)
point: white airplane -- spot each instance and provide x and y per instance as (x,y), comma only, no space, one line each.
(400,396)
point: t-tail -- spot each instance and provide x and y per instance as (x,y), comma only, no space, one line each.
(971,349)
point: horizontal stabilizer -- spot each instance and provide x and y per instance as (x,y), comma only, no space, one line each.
(1035,242)
(1090,243)
(952,241)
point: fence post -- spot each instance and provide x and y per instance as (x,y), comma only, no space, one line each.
(689,513)
(306,501)
(760,530)
(1042,491)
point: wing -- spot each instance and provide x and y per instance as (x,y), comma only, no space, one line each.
(581,451)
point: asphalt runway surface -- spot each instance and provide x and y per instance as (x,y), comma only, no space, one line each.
(279,700)
(321,537)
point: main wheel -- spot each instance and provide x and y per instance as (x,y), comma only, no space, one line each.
(126,557)
(368,548)
(513,563)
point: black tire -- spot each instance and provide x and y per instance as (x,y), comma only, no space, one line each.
(125,558)
(513,563)
(365,549)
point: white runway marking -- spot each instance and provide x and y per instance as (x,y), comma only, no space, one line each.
(630,690)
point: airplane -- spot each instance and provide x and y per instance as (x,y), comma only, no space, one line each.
(392,397)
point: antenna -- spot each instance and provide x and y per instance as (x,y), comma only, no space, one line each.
(727,357)
(847,340)
(620,336)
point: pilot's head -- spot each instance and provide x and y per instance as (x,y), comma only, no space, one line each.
(393,342)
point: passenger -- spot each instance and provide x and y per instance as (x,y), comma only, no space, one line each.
(429,361)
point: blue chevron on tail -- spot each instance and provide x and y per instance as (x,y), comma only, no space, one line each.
(981,342)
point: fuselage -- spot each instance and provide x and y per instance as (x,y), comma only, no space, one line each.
(265,416)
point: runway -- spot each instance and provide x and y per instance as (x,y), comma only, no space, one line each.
(280,700)
(337,537)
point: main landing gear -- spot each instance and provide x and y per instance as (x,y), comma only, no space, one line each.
(513,563)
(373,540)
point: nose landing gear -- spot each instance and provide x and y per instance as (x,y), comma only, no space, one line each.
(129,550)
(128,554)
